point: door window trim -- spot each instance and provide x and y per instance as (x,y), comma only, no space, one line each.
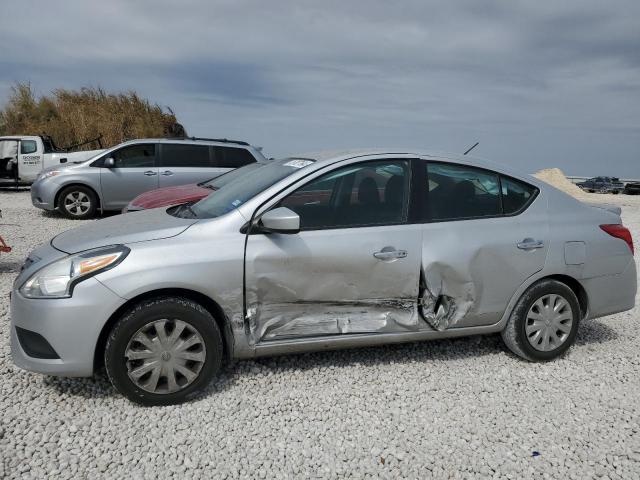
(272,201)
(426,217)
(100,161)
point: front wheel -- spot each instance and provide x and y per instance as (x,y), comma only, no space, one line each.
(544,322)
(77,202)
(164,351)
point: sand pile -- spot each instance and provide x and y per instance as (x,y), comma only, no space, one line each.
(555,177)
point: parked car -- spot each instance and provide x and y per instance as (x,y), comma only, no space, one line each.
(321,252)
(112,180)
(602,185)
(24,157)
(166,197)
(632,188)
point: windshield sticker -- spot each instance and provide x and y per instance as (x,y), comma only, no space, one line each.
(235,203)
(298,163)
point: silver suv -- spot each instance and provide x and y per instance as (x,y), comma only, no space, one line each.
(112,179)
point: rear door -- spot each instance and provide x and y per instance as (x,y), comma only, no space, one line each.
(484,235)
(184,163)
(135,172)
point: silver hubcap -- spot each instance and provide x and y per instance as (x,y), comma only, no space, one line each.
(549,322)
(165,356)
(77,203)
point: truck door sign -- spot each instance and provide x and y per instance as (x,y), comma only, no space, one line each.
(31,159)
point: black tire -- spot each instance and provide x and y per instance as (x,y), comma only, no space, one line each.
(514,335)
(79,211)
(173,308)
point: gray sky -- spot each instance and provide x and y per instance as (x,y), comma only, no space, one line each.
(539,84)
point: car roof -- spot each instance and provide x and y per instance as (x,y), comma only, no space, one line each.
(223,142)
(326,157)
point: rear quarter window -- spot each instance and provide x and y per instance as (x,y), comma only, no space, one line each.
(516,195)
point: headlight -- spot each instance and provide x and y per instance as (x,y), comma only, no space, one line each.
(57,279)
(51,173)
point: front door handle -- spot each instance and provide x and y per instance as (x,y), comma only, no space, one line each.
(390,253)
(530,244)
(150,173)
(167,173)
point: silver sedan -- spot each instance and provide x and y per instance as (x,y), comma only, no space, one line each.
(319,252)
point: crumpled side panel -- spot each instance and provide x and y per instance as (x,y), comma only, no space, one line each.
(302,319)
(447,296)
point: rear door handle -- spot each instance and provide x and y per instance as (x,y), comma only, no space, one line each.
(167,173)
(385,254)
(150,173)
(530,244)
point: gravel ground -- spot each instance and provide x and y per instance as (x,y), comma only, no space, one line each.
(461,408)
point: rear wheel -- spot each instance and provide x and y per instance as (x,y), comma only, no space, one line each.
(77,202)
(163,351)
(544,322)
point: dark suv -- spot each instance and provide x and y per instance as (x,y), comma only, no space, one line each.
(602,185)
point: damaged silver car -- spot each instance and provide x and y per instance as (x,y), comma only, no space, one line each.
(320,252)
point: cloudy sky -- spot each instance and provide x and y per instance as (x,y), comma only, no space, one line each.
(538,84)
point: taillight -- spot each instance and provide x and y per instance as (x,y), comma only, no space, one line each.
(619,231)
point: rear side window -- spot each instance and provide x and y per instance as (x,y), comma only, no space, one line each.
(230,157)
(135,156)
(458,192)
(28,146)
(176,155)
(515,195)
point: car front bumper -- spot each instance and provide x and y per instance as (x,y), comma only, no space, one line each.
(70,327)
(43,195)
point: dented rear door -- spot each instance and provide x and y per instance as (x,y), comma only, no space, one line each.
(485,235)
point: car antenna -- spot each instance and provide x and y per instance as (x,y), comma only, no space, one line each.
(472,147)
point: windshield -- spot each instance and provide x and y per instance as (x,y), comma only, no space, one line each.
(246,184)
(217,182)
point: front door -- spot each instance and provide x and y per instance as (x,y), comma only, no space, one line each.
(135,172)
(353,268)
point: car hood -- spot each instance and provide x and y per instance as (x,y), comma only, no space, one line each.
(163,197)
(122,229)
(63,167)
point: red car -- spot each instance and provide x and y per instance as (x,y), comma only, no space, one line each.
(165,197)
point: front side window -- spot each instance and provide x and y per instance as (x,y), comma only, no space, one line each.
(458,192)
(231,157)
(135,156)
(362,194)
(177,155)
(28,146)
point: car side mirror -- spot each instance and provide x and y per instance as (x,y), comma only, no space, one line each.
(280,220)
(109,162)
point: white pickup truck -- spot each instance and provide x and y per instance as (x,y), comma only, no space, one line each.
(23,157)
